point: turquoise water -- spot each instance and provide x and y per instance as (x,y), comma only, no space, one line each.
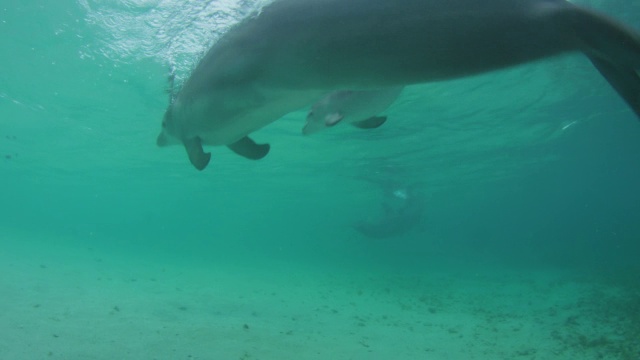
(520,240)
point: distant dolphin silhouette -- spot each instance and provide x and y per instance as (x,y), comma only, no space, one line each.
(359,108)
(403,210)
(293,52)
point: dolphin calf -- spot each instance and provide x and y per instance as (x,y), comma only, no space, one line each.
(359,108)
(293,52)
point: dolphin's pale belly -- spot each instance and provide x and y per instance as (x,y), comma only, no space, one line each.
(228,119)
(337,44)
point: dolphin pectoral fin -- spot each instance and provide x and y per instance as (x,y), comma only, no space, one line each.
(197,156)
(613,49)
(248,148)
(625,81)
(370,123)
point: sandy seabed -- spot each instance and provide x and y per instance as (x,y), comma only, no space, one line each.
(61,301)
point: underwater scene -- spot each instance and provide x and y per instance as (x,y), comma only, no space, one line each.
(468,191)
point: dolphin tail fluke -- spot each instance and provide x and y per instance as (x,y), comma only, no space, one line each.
(613,49)
(625,81)
(197,156)
(248,148)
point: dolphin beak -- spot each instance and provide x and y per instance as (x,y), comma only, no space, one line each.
(311,128)
(305,130)
(162,140)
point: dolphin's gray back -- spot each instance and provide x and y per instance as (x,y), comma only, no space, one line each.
(345,42)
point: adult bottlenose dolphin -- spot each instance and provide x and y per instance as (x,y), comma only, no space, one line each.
(359,108)
(293,52)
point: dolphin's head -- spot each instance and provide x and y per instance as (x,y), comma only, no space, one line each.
(317,122)
(323,114)
(166,136)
